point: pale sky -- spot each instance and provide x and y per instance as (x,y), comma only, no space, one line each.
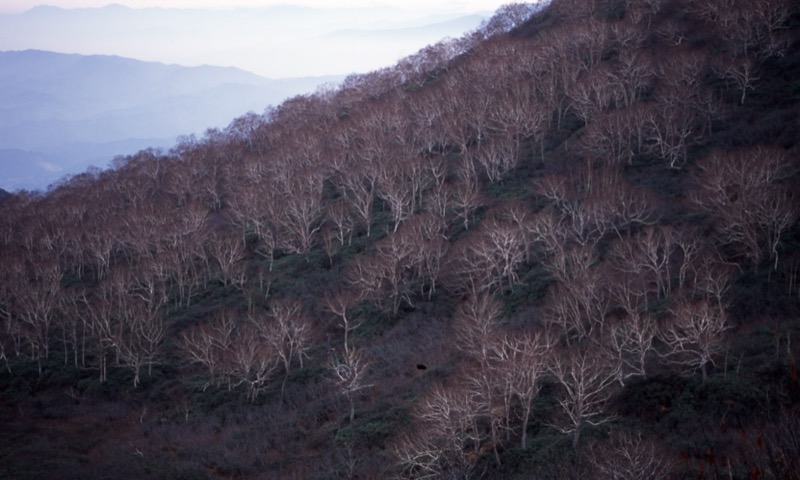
(18,6)
(339,37)
(307,46)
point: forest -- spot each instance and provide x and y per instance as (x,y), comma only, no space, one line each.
(565,245)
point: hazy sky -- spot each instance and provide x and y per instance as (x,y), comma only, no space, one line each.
(18,6)
(353,36)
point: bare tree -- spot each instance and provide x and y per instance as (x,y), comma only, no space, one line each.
(209,345)
(400,184)
(446,442)
(744,190)
(349,374)
(252,210)
(670,130)
(769,449)
(477,321)
(396,257)
(713,278)
(595,93)
(742,71)
(628,456)
(631,340)
(634,74)
(649,257)
(610,138)
(508,17)
(586,378)
(523,360)
(228,250)
(34,297)
(497,155)
(299,208)
(694,334)
(290,333)
(340,303)
(427,232)
(140,328)
(359,183)
(581,300)
(488,257)
(465,197)
(252,357)
(587,40)
(340,216)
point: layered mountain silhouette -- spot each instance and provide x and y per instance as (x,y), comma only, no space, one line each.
(278,41)
(60,113)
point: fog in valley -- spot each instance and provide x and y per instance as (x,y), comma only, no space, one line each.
(126,79)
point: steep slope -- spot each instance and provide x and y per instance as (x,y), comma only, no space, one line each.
(563,246)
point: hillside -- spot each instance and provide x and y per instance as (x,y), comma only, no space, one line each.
(61,113)
(565,245)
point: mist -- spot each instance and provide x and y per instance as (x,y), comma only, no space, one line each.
(81,86)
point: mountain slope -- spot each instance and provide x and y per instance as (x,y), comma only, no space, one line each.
(563,246)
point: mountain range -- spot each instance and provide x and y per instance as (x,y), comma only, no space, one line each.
(60,113)
(278,41)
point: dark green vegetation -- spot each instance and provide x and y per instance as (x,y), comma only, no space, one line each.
(564,246)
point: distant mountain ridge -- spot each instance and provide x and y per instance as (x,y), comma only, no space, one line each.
(276,41)
(60,113)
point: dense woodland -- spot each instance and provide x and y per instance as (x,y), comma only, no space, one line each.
(565,245)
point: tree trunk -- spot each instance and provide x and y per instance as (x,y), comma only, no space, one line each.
(352,408)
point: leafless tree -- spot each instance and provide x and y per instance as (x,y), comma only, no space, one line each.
(497,155)
(580,301)
(488,257)
(209,345)
(360,183)
(610,138)
(670,129)
(508,17)
(349,374)
(252,357)
(649,257)
(340,216)
(477,321)
(228,251)
(399,185)
(694,334)
(299,206)
(290,332)
(769,449)
(629,456)
(446,442)
(465,197)
(427,232)
(713,278)
(522,361)
(742,71)
(34,297)
(586,379)
(396,265)
(594,93)
(744,190)
(630,340)
(340,303)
